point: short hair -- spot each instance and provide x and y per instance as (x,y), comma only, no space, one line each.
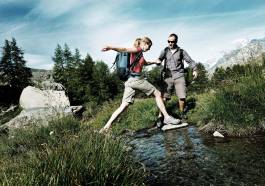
(175,36)
(147,40)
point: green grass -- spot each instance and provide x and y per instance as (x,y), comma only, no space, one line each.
(66,153)
(141,114)
(237,109)
(69,152)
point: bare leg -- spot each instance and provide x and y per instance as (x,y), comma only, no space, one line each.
(160,103)
(181,104)
(115,114)
(160,113)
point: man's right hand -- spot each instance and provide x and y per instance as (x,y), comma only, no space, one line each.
(158,62)
(106,48)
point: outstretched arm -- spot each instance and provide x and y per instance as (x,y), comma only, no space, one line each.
(119,49)
(158,62)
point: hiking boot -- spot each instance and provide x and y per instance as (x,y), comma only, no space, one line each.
(170,120)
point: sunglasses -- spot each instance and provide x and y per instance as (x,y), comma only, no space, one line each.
(171,41)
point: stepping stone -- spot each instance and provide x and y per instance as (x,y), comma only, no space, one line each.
(218,134)
(170,127)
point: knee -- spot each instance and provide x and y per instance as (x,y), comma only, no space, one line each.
(157,93)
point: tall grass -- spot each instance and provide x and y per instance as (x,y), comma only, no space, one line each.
(237,108)
(141,114)
(66,153)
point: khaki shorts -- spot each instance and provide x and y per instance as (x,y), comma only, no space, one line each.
(179,84)
(136,83)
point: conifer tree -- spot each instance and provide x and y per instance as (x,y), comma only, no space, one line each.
(59,67)
(202,81)
(13,68)
(6,64)
(218,76)
(100,84)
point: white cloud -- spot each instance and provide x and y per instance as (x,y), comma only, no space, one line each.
(51,8)
(241,42)
(38,61)
(89,25)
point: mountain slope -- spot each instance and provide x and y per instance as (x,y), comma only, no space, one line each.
(249,52)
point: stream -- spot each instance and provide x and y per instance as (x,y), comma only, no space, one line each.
(187,157)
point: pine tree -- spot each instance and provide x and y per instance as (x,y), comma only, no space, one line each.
(84,80)
(6,64)
(69,65)
(74,85)
(202,81)
(13,66)
(100,84)
(77,58)
(218,76)
(59,67)
(86,69)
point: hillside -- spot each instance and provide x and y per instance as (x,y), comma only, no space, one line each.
(242,55)
(39,75)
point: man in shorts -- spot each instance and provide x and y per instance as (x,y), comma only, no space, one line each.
(173,57)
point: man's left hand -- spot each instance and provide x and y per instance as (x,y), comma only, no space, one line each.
(195,74)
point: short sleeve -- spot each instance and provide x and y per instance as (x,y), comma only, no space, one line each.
(162,55)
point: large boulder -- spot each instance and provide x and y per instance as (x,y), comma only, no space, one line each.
(34,117)
(40,107)
(33,98)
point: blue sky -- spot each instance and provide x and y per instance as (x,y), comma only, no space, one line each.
(206,28)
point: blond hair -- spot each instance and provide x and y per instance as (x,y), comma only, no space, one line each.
(138,40)
(147,40)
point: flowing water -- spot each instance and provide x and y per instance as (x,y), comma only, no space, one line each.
(187,157)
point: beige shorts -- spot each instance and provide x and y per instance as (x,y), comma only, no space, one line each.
(179,84)
(133,84)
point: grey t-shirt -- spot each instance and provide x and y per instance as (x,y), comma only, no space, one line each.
(174,63)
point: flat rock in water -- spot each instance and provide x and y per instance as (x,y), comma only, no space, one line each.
(170,127)
(218,134)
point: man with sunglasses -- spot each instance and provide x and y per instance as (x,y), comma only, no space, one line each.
(174,57)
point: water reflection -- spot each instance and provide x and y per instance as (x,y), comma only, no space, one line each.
(185,157)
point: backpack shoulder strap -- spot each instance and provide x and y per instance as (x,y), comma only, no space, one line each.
(136,60)
(165,51)
(116,59)
(181,54)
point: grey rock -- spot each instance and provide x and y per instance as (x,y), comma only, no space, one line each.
(40,107)
(32,98)
(218,134)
